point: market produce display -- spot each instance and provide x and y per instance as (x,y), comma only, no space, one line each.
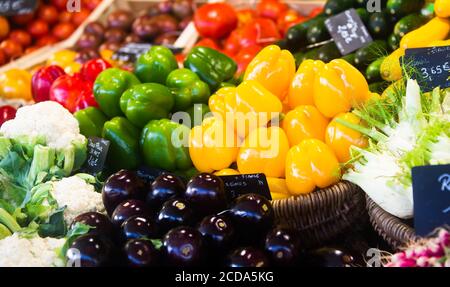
(190,156)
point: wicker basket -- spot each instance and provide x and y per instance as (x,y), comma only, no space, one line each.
(395,231)
(324,214)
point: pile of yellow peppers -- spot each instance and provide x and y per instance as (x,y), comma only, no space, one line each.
(432,34)
(306,149)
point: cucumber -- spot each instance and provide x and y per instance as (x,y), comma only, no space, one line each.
(298,58)
(373,71)
(333,7)
(409,23)
(350,58)
(394,42)
(364,15)
(401,8)
(379,25)
(310,54)
(296,35)
(317,33)
(366,55)
(378,87)
(364,4)
(328,52)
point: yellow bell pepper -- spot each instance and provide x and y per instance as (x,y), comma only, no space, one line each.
(301,90)
(341,138)
(245,107)
(227,171)
(277,186)
(15,84)
(439,43)
(264,151)
(309,165)
(273,68)
(279,196)
(391,69)
(212,145)
(338,86)
(436,29)
(66,60)
(442,8)
(304,122)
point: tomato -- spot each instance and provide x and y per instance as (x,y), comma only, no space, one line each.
(22,19)
(11,48)
(48,13)
(261,31)
(60,4)
(7,113)
(207,42)
(232,43)
(314,12)
(245,56)
(287,19)
(63,30)
(46,40)
(79,17)
(215,20)
(21,36)
(245,16)
(65,16)
(38,28)
(272,9)
(4,27)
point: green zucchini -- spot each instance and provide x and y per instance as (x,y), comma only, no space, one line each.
(328,52)
(370,52)
(317,33)
(378,87)
(393,42)
(373,71)
(333,7)
(409,23)
(401,8)
(379,25)
(350,58)
(296,35)
(364,15)
(308,55)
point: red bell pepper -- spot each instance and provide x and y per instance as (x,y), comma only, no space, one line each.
(245,16)
(208,42)
(7,113)
(92,68)
(245,56)
(73,92)
(42,80)
(271,9)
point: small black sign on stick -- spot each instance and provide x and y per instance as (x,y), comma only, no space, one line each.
(97,150)
(236,185)
(17,7)
(348,31)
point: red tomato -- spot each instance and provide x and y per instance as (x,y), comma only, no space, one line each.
(245,56)
(60,4)
(20,36)
(79,17)
(245,16)
(215,20)
(65,16)
(272,9)
(11,48)
(63,30)
(48,13)
(261,31)
(314,12)
(46,40)
(31,49)
(22,19)
(288,19)
(7,113)
(207,42)
(38,28)
(180,59)
(232,43)
(288,25)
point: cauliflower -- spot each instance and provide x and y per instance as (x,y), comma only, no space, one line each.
(75,194)
(48,120)
(17,251)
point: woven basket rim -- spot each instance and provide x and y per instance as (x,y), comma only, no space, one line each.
(393,229)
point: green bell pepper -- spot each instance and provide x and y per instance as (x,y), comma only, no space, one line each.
(109,87)
(164,145)
(91,121)
(211,66)
(124,143)
(145,102)
(155,65)
(187,88)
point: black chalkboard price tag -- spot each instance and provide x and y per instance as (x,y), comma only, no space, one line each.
(236,185)
(429,66)
(97,150)
(17,7)
(348,31)
(431,192)
(130,52)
